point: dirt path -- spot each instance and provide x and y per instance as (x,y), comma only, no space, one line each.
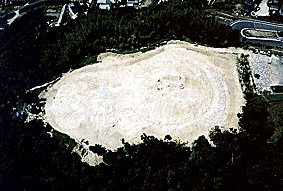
(178,89)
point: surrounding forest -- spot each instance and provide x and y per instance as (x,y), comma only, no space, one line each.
(243,159)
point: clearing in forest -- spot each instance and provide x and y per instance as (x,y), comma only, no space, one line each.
(179,89)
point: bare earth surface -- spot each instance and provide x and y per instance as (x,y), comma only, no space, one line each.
(270,74)
(178,89)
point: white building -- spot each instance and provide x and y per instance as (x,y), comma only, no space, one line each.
(105,4)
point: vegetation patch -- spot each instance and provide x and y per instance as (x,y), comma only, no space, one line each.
(260,33)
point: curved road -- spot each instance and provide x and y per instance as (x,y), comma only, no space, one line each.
(256,24)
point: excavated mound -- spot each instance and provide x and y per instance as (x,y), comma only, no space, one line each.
(178,89)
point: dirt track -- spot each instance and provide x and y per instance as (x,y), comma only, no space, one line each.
(178,89)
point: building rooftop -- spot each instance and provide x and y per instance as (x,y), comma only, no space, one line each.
(249,2)
(105,7)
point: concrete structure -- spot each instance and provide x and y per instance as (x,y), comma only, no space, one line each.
(270,41)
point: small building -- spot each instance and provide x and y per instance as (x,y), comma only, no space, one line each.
(274,6)
(132,2)
(105,4)
(248,7)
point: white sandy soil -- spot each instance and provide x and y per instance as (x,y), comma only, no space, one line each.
(178,89)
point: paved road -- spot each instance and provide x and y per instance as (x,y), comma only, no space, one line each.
(257,24)
(22,25)
(225,21)
(253,24)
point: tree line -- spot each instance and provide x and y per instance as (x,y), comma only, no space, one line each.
(33,62)
(126,29)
